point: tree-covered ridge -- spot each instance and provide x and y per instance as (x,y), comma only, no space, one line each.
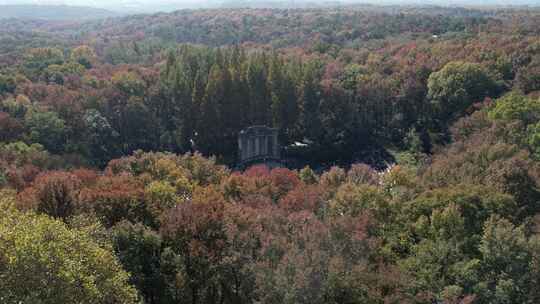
(349,26)
(53,12)
(284,27)
(342,101)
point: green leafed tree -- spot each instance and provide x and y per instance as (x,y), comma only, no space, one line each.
(210,124)
(510,270)
(43,261)
(47,129)
(309,101)
(139,251)
(515,106)
(36,60)
(283,98)
(458,85)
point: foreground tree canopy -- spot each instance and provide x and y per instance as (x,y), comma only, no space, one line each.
(412,135)
(43,261)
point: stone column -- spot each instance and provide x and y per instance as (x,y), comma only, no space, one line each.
(240,148)
(275,153)
(257,152)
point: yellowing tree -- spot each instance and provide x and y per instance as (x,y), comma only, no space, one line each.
(84,55)
(42,261)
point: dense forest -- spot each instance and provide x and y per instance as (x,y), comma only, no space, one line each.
(414,134)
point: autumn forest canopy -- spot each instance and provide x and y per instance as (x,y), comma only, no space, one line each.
(411,137)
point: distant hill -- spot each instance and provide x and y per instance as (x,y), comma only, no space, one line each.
(332,3)
(53,12)
(88,9)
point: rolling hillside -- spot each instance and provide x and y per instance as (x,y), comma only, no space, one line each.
(53,12)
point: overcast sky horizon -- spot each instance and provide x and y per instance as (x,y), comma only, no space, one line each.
(155,5)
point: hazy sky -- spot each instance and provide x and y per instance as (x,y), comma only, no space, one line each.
(106,3)
(155,5)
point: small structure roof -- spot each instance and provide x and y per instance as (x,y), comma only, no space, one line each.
(257,131)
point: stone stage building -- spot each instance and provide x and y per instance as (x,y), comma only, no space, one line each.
(259,145)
